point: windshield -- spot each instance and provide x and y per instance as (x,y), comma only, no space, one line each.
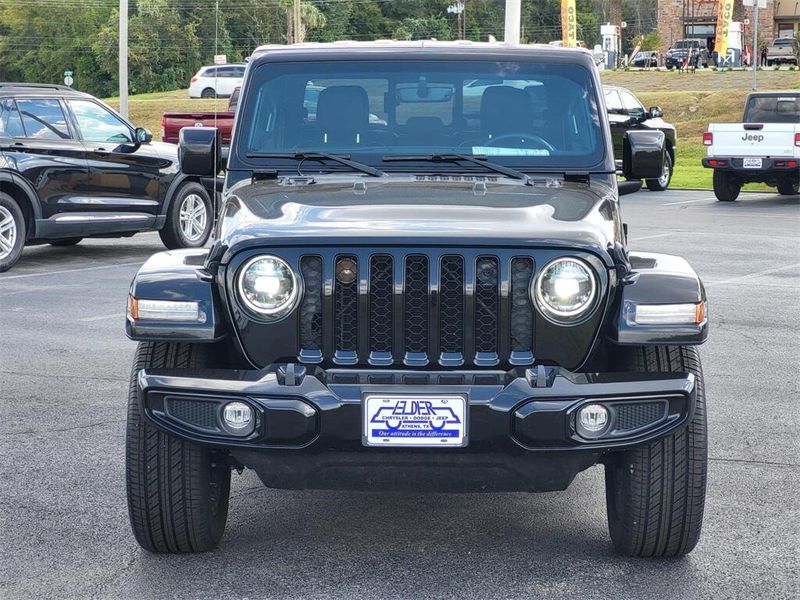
(532,115)
(783,42)
(773,109)
(683,44)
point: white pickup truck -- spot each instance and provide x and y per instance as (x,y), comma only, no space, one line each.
(763,148)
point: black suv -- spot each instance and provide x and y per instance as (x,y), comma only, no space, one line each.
(692,53)
(438,299)
(71,167)
(626,113)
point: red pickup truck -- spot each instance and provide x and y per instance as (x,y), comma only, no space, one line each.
(173,122)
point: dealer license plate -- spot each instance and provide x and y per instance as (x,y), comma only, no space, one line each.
(752,163)
(415,420)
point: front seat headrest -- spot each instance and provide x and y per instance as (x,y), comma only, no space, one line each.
(343,114)
(505,109)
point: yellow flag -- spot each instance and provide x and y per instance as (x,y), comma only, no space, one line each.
(569,23)
(724,18)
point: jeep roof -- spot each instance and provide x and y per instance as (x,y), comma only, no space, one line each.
(424,47)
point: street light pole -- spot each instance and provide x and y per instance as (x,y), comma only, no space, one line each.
(123,58)
(756,52)
(513,10)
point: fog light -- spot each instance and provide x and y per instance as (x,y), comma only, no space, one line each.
(238,416)
(592,420)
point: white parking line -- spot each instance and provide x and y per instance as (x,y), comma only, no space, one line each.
(117,315)
(756,274)
(26,275)
(686,202)
(650,237)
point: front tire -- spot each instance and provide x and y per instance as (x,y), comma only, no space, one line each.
(12,232)
(190,218)
(787,187)
(655,493)
(662,183)
(177,491)
(726,186)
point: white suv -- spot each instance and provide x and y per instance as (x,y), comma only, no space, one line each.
(216,81)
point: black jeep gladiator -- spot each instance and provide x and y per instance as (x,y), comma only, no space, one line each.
(437,299)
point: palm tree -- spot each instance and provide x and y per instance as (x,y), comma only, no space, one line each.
(310,18)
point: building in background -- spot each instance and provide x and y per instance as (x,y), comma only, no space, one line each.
(787,18)
(697,19)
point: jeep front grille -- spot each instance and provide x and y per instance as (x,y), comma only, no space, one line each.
(417,308)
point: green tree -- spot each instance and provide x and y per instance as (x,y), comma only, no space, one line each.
(423,28)
(163,49)
(38,42)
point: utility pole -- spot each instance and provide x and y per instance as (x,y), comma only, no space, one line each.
(756,4)
(756,52)
(296,22)
(123,58)
(458,9)
(513,10)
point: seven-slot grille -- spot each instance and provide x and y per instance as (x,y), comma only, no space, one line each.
(416,309)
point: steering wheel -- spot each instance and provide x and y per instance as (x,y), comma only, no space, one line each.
(542,143)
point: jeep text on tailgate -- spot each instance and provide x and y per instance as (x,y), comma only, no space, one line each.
(418,283)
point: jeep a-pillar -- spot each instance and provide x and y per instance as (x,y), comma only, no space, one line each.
(419,281)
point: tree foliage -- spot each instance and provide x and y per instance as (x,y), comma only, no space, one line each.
(170,39)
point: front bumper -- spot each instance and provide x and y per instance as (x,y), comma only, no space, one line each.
(521,424)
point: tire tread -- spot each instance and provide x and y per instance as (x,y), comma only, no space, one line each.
(663,483)
(167,484)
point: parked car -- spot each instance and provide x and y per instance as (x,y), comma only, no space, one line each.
(173,122)
(783,51)
(71,167)
(645,59)
(763,148)
(683,50)
(626,113)
(216,81)
(560,44)
(438,301)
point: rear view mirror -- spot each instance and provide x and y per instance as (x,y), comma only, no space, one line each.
(423,92)
(643,154)
(199,151)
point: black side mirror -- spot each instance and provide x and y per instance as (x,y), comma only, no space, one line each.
(655,112)
(629,187)
(199,151)
(142,135)
(643,154)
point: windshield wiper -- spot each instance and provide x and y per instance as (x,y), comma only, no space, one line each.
(339,158)
(477,159)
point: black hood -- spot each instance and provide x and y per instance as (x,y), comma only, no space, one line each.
(418,210)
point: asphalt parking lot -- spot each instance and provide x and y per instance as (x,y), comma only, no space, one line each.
(64,363)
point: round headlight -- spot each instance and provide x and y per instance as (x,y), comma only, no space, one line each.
(268,286)
(565,290)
